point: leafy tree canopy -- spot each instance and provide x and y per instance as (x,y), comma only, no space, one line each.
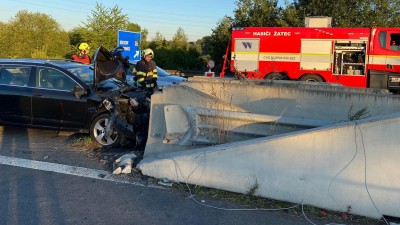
(352,13)
(101,27)
(33,35)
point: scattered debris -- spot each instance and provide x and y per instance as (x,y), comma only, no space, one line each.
(103,161)
(124,164)
(127,169)
(117,171)
(165,182)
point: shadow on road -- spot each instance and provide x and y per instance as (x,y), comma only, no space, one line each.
(25,192)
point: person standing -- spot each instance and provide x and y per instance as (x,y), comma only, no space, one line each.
(146,71)
(82,56)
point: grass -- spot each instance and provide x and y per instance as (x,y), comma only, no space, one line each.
(253,188)
(249,201)
(360,114)
(84,141)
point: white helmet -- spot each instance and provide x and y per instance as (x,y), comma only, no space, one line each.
(147,52)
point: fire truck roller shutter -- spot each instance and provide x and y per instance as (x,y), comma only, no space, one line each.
(316,54)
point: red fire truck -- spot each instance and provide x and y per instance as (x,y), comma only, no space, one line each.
(355,57)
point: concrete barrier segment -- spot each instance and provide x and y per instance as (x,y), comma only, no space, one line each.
(339,166)
(193,125)
(178,95)
(312,103)
(302,85)
(335,167)
(298,99)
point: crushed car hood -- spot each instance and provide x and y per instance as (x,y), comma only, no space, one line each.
(108,65)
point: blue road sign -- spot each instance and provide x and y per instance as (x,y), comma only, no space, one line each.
(130,41)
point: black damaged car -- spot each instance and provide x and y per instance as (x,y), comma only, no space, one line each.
(61,94)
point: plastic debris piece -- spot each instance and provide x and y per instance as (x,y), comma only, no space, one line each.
(127,169)
(117,171)
(126,156)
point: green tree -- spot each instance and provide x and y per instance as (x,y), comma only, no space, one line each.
(33,35)
(179,40)
(3,39)
(353,13)
(145,33)
(193,58)
(157,42)
(177,53)
(77,36)
(381,13)
(290,17)
(215,45)
(102,26)
(256,13)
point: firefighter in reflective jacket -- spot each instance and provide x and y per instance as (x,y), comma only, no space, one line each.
(82,56)
(146,71)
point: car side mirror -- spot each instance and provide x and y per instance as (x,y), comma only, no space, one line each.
(78,91)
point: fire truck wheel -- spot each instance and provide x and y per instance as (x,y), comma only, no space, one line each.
(311,78)
(276,76)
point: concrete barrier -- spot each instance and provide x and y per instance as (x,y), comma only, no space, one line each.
(351,164)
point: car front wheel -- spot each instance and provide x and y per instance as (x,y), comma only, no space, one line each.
(98,132)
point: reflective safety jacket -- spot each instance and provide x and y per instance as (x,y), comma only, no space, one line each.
(81,58)
(146,73)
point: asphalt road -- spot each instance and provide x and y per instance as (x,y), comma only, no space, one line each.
(34,190)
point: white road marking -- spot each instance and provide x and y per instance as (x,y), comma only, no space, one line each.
(66,169)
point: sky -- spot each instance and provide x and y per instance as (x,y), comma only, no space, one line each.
(196,17)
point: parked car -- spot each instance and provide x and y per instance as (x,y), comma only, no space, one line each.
(164,78)
(60,95)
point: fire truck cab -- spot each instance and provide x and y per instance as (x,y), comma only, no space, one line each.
(355,57)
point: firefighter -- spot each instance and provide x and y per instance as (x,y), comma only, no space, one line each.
(82,56)
(146,71)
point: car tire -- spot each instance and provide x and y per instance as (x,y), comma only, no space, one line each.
(97,131)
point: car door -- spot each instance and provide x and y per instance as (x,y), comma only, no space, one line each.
(15,94)
(53,104)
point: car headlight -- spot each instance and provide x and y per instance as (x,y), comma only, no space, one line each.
(107,104)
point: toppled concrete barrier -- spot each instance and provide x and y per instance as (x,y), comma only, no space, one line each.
(352,160)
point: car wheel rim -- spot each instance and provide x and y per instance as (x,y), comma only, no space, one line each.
(99,132)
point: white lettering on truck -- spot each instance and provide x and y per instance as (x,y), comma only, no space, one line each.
(275,33)
(267,33)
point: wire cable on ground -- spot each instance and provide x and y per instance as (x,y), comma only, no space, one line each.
(308,220)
